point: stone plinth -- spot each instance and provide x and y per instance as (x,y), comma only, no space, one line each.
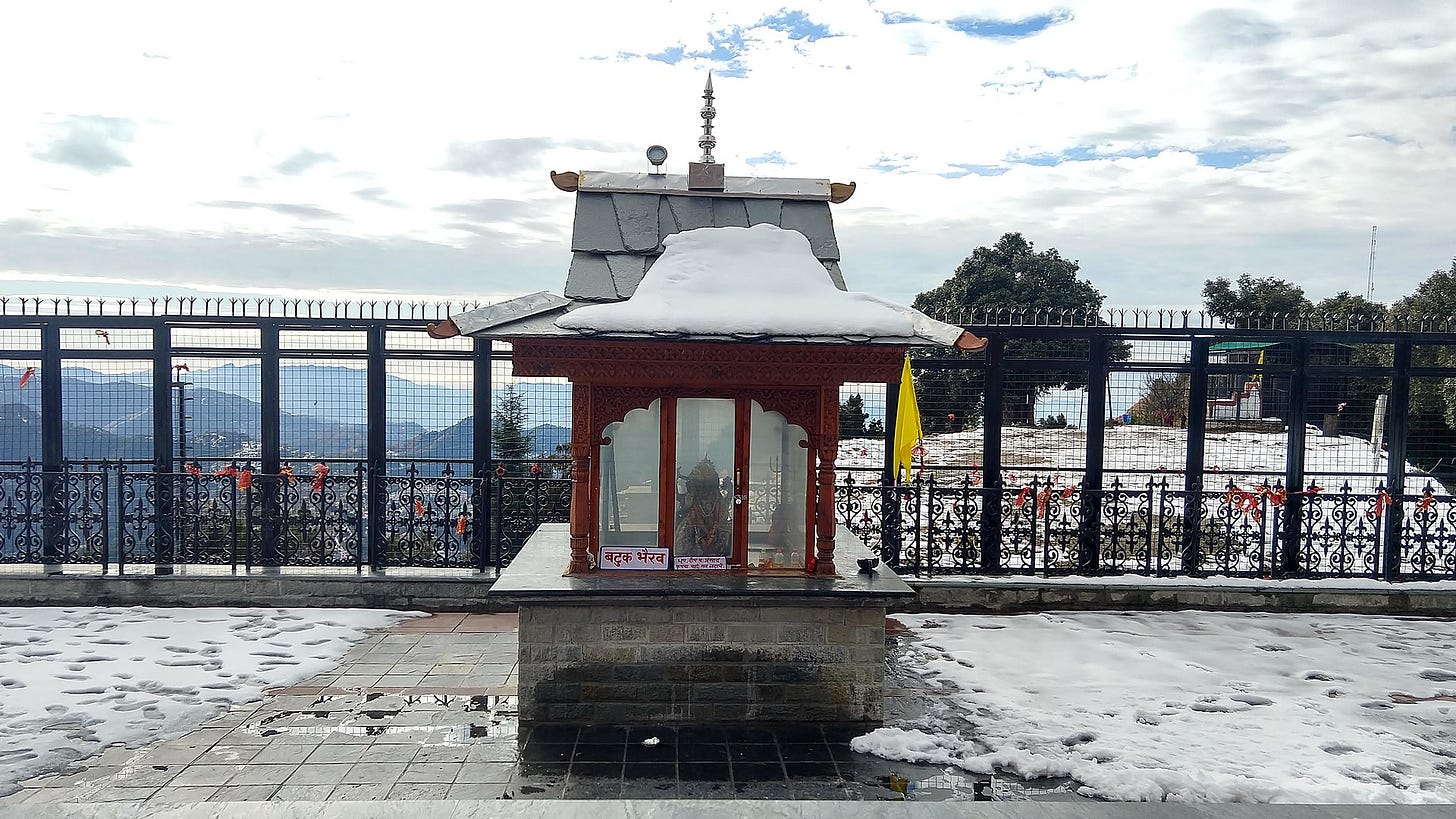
(716,648)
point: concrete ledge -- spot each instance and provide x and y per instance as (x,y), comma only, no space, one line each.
(724,809)
(255,589)
(949,595)
(1025,594)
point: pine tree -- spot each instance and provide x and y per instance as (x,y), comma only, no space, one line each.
(508,436)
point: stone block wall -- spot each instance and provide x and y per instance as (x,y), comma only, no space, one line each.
(714,662)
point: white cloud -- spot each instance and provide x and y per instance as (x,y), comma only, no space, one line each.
(1104,128)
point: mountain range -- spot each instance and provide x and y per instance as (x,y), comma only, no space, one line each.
(322,414)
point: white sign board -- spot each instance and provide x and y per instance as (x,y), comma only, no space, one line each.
(637,558)
(698,564)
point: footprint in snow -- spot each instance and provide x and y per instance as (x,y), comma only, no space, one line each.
(1338,748)
(1218,707)
(1438,675)
(1251,699)
(1272,647)
(10,682)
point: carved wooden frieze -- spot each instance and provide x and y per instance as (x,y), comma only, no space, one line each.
(668,363)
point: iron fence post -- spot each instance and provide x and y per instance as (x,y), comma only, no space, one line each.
(889,476)
(992,484)
(1294,459)
(270,447)
(162,461)
(1397,430)
(1089,538)
(1193,461)
(52,449)
(480,451)
(121,494)
(375,452)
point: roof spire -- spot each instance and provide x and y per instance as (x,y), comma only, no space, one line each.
(707,141)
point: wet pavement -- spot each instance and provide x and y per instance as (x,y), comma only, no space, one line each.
(427,711)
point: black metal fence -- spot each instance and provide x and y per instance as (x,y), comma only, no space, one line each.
(138,436)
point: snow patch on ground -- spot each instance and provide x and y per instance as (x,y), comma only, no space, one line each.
(1213,581)
(74,680)
(1192,706)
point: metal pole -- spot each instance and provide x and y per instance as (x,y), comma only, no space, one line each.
(480,451)
(1397,434)
(164,550)
(375,452)
(992,418)
(52,450)
(1089,538)
(270,462)
(1294,459)
(1193,462)
(889,494)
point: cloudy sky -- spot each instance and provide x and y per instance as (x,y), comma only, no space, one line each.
(312,149)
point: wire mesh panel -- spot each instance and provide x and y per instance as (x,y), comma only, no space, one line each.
(323,408)
(217,410)
(107,338)
(429,406)
(531,417)
(20,410)
(1053,447)
(239,337)
(1147,428)
(107,409)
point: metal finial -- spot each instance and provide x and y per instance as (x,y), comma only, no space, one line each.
(707,141)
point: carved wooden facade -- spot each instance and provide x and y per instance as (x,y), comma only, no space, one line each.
(612,377)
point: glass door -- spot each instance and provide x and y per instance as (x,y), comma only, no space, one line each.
(706,479)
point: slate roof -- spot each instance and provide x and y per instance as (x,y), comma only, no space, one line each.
(621,220)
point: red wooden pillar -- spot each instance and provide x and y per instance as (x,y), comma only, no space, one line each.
(582,452)
(828,445)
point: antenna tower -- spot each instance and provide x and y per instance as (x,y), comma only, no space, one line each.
(1370,279)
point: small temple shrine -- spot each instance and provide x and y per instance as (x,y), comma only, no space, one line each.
(706,330)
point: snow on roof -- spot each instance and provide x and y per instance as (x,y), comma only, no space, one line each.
(749,280)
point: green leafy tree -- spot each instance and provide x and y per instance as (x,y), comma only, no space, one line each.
(1347,309)
(508,435)
(1164,402)
(1266,296)
(852,417)
(1010,275)
(1432,422)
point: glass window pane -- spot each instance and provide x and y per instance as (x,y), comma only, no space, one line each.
(629,483)
(778,481)
(704,521)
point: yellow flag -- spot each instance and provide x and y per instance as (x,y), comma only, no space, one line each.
(1260,376)
(907,425)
